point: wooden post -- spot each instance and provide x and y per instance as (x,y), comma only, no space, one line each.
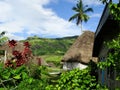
(5,57)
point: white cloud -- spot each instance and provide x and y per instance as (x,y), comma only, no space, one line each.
(4,11)
(28,17)
(72,1)
(91,2)
(96,15)
(87,2)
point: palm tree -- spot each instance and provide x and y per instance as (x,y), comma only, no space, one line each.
(80,15)
(2,37)
(105,1)
(2,33)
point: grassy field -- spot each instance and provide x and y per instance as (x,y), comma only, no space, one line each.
(53,58)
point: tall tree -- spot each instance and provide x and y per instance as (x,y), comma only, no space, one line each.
(81,11)
(105,1)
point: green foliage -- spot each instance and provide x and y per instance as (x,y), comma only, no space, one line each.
(55,59)
(52,58)
(23,77)
(11,77)
(113,54)
(3,38)
(75,80)
(113,58)
(37,78)
(115,10)
(81,11)
(44,46)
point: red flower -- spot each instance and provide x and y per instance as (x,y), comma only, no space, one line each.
(26,52)
(12,43)
(19,58)
(26,44)
(19,63)
(17,55)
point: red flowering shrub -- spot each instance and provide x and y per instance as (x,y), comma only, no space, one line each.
(26,44)
(12,43)
(19,57)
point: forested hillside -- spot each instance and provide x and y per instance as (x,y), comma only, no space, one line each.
(45,46)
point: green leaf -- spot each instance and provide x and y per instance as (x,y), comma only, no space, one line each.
(24,75)
(2,88)
(17,77)
(30,80)
(6,75)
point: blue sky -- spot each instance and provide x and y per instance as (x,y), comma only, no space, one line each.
(44,18)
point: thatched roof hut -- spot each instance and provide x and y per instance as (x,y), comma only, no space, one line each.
(7,51)
(81,50)
(19,47)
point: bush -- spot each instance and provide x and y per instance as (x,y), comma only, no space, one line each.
(75,80)
(32,78)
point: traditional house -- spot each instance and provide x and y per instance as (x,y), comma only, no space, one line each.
(7,51)
(7,54)
(80,53)
(108,29)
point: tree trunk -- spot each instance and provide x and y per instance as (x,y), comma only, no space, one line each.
(81,27)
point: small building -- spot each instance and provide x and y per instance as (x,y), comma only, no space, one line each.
(108,29)
(80,53)
(6,54)
(7,51)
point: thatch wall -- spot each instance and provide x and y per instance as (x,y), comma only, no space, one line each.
(81,50)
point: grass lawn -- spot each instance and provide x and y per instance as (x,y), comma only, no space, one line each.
(55,60)
(50,58)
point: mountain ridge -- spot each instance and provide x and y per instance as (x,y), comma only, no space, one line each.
(50,46)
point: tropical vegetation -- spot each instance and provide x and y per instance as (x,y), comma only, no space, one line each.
(113,57)
(18,74)
(46,46)
(81,11)
(2,37)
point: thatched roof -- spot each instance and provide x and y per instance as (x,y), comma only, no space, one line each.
(20,47)
(81,50)
(6,47)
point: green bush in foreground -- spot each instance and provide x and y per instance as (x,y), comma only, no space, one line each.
(37,78)
(76,80)
(23,78)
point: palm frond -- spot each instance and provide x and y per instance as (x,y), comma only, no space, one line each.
(86,6)
(81,4)
(85,17)
(88,10)
(75,9)
(73,17)
(104,1)
(81,12)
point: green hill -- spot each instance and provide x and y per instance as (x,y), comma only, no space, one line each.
(45,46)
